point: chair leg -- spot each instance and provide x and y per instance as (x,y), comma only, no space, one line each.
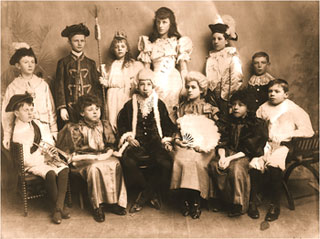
(25,199)
(289,195)
(69,196)
(312,170)
(81,200)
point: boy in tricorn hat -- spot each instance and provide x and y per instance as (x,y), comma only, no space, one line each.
(44,163)
(76,74)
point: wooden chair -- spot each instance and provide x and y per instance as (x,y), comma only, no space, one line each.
(305,153)
(30,186)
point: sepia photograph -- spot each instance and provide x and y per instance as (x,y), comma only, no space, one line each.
(159,119)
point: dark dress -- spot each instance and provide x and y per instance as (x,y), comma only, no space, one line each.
(247,135)
(75,77)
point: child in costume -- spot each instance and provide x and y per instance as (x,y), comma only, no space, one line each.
(46,164)
(243,137)
(76,74)
(165,48)
(285,120)
(92,140)
(44,110)
(223,66)
(145,129)
(258,83)
(120,77)
(194,145)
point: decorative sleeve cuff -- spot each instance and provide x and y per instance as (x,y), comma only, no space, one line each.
(124,138)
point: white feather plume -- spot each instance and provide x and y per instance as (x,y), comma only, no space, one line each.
(19,45)
(231,23)
(199,131)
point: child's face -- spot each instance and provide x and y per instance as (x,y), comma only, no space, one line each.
(25,113)
(78,42)
(239,109)
(145,88)
(276,94)
(193,90)
(26,65)
(163,26)
(91,113)
(120,49)
(260,65)
(218,41)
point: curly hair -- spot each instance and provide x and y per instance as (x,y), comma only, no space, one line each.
(127,58)
(87,100)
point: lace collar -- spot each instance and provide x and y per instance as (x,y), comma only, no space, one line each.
(146,104)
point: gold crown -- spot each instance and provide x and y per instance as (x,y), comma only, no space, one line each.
(120,34)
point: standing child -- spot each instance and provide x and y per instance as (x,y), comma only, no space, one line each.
(76,74)
(223,66)
(93,138)
(165,48)
(258,84)
(45,164)
(190,168)
(243,137)
(146,129)
(44,110)
(285,120)
(120,77)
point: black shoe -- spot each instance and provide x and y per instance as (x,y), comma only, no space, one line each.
(116,209)
(195,211)
(65,213)
(155,203)
(56,217)
(185,209)
(98,214)
(273,213)
(235,211)
(136,207)
(216,205)
(253,211)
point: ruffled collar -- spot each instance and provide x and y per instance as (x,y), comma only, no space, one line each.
(146,104)
(227,51)
(260,80)
(90,124)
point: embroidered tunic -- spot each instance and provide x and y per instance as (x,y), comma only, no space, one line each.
(75,76)
(164,54)
(44,109)
(224,73)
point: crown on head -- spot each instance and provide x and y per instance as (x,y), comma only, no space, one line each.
(120,34)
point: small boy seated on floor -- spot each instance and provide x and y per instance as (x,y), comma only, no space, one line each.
(285,120)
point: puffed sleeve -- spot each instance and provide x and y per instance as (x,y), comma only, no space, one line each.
(7,117)
(145,48)
(184,49)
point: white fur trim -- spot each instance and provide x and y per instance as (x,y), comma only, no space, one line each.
(166,139)
(124,137)
(119,153)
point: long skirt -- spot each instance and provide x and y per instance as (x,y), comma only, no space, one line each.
(190,170)
(105,182)
(233,183)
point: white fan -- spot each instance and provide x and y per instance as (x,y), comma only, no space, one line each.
(198,130)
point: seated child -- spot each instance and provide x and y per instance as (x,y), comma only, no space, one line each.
(258,84)
(92,136)
(243,138)
(285,120)
(190,167)
(145,129)
(44,110)
(45,164)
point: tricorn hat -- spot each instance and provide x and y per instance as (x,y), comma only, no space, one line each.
(16,99)
(75,29)
(225,25)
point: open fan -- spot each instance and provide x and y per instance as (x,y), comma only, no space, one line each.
(198,130)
